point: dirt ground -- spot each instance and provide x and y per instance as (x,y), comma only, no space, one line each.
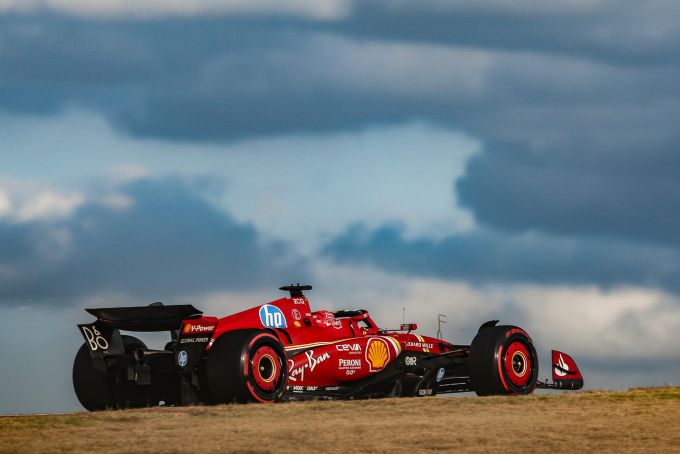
(639,420)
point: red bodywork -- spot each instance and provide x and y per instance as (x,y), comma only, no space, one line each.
(322,349)
(283,350)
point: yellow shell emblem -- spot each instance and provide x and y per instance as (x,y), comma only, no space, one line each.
(377,354)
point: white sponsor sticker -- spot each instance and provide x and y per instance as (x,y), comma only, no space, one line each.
(95,339)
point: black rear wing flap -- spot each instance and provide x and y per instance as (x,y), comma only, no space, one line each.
(145,318)
(103,338)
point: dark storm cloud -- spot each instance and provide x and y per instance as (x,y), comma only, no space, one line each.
(233,77)
(573,194)
(486,256)
(627,32)
(576,103)
(170,242)
(216,80)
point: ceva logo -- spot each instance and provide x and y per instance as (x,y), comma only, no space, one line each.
(272,317)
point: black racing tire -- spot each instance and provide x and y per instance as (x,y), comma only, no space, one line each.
(245,366)
(93,387)
(503,360)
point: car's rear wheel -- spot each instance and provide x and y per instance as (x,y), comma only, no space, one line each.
(91,385)
(245,366)
(503,360)
(95,389)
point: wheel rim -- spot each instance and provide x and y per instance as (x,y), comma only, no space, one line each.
(266,369)
(518,365)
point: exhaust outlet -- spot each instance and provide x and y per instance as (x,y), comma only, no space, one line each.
(139,354)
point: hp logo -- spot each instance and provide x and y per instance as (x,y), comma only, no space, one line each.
(272,317)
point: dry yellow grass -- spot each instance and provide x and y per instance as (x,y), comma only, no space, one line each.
(639,420)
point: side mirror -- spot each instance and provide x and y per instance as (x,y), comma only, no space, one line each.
(409,327)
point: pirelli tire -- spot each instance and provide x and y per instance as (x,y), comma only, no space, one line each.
(503,360)
(245,366)
(94,388)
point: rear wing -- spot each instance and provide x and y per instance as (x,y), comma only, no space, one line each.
(146,318)
(103,337)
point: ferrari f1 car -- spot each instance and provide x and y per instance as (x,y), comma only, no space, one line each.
(283,351)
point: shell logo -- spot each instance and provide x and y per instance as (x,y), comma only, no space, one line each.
(187,328)
(377,354)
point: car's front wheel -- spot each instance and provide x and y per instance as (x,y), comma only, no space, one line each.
(503,360)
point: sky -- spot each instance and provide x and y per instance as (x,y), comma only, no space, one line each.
(483,160)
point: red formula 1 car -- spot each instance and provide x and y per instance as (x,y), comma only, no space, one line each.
(283,351)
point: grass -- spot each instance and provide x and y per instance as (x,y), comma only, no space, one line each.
(638,420)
